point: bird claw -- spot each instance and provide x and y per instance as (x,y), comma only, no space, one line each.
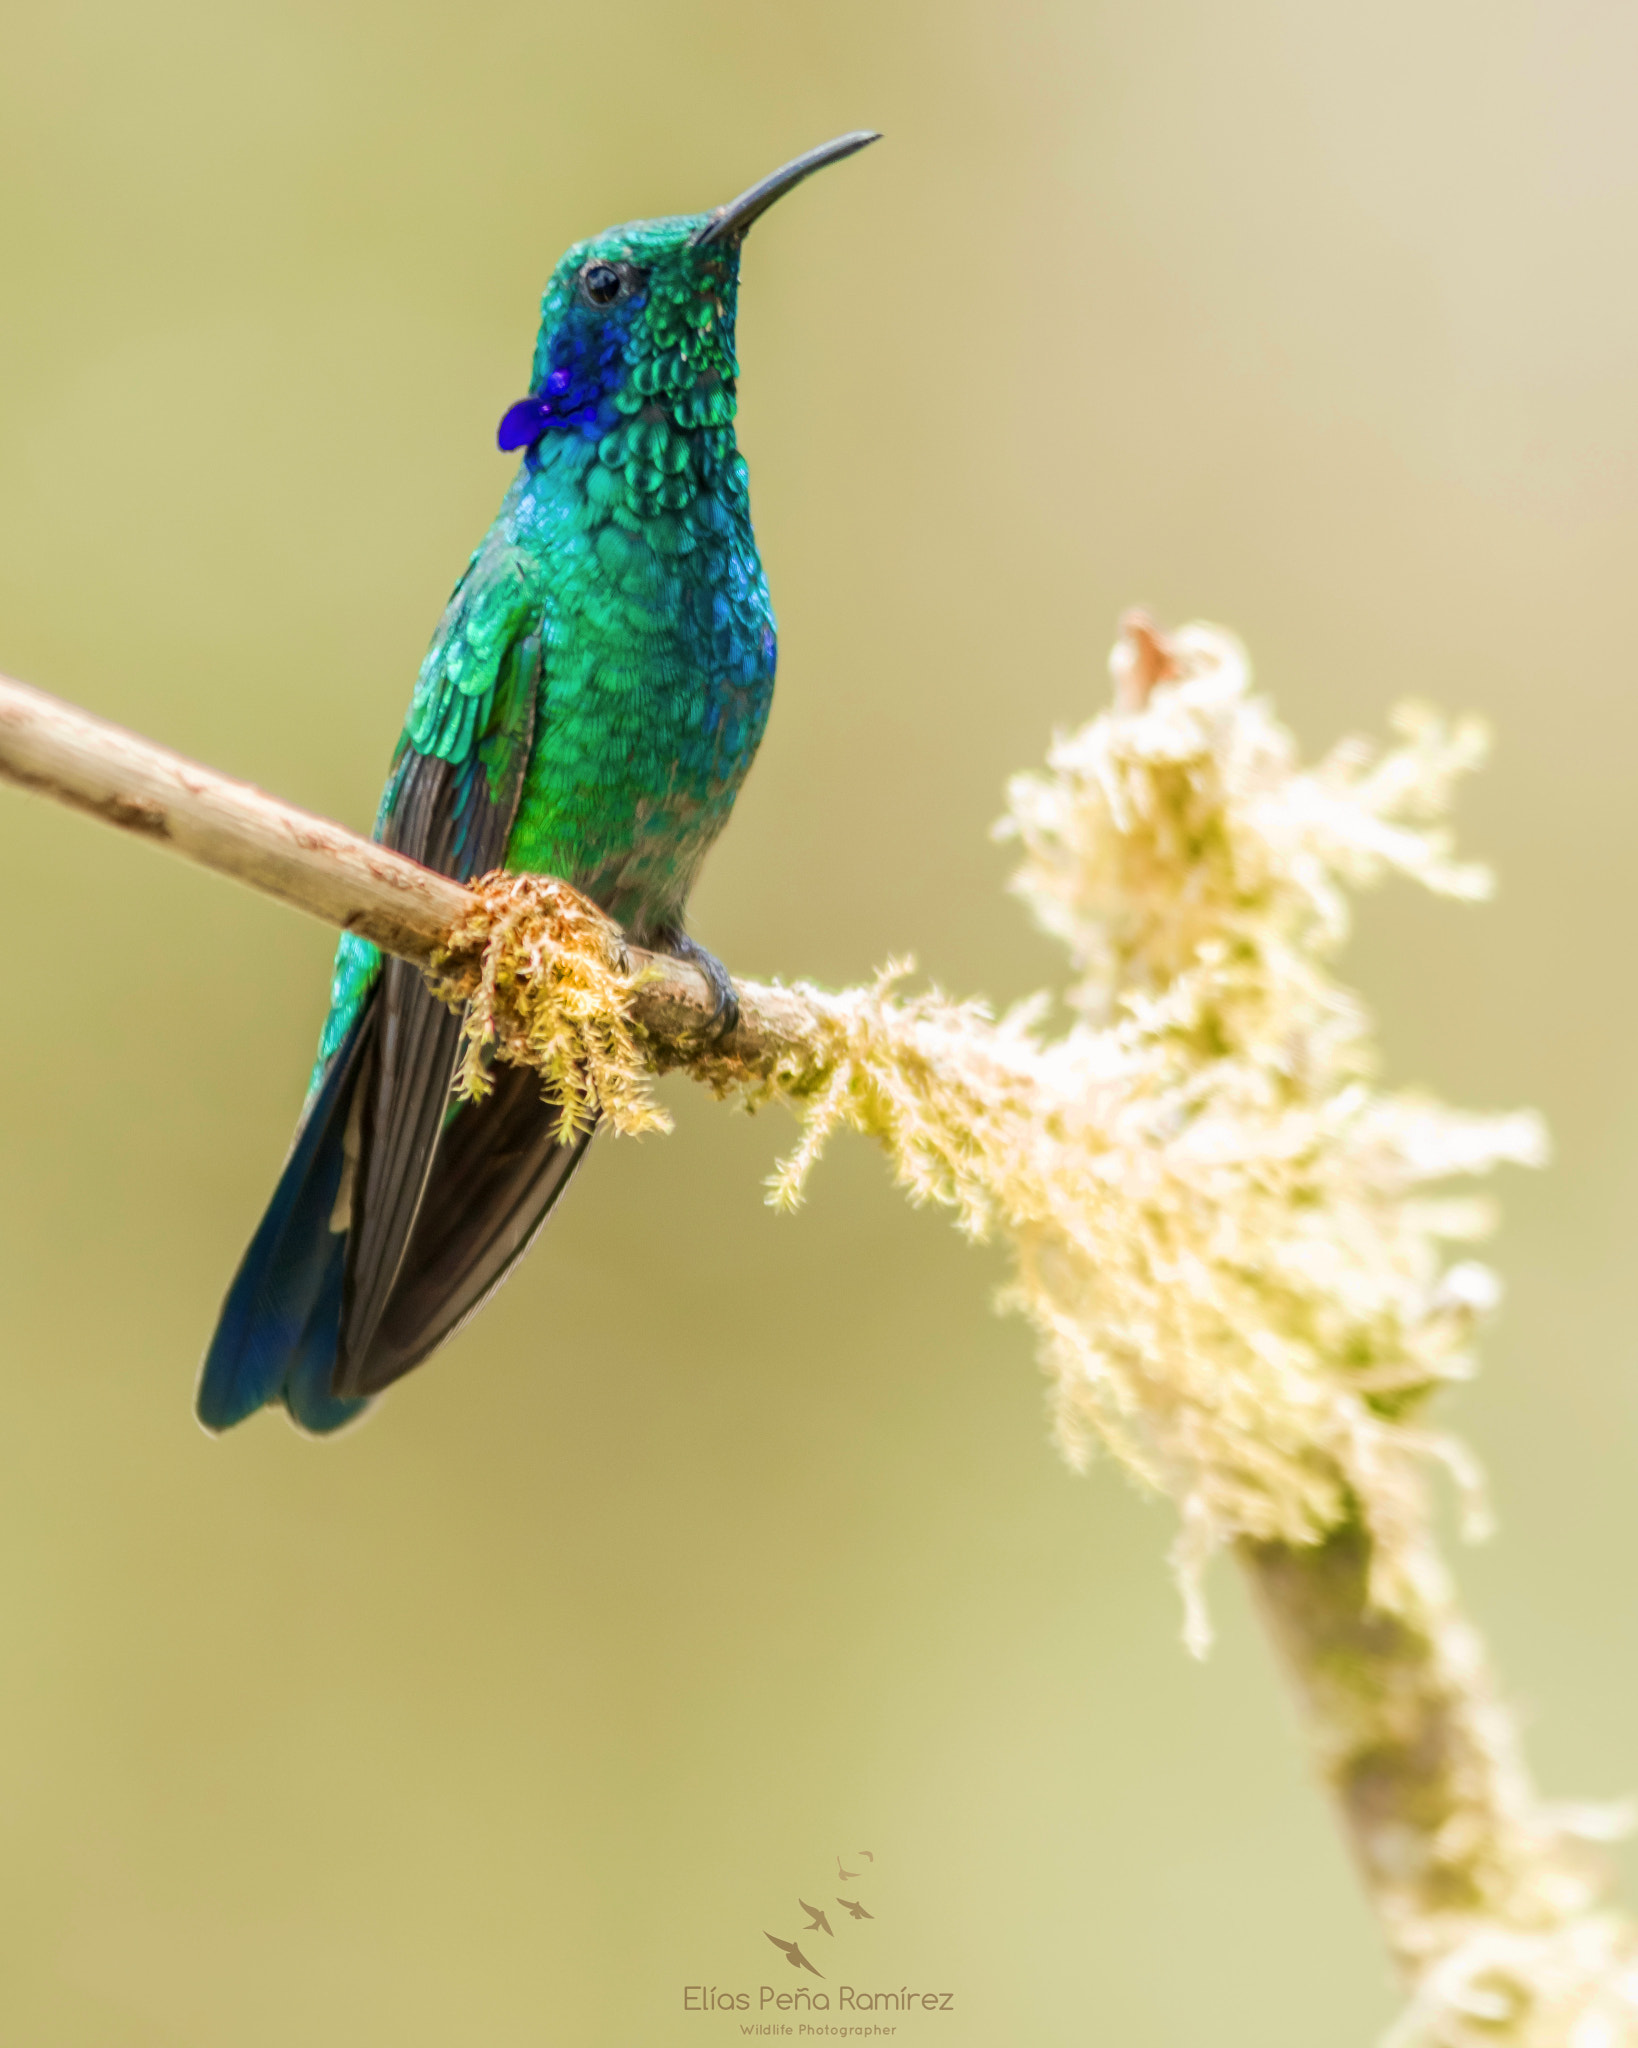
(725,1016)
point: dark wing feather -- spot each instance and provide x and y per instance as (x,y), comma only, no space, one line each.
(319,1273)
(498,1171)
(406,1090)
(455,816)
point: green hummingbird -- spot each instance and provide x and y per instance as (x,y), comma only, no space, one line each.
(589,707)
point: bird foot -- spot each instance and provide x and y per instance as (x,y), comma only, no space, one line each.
(725,1015)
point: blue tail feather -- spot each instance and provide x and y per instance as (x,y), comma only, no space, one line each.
(281,1321)
(307,1383)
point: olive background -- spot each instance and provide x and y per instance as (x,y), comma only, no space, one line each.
(726,1542)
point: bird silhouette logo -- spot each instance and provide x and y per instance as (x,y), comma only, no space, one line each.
(793,1955)
(819,1921)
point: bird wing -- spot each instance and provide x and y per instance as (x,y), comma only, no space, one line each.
(397,1214)
(416,1266)
(326,1252)
(798,1957)
(788,1946)
(499,1168)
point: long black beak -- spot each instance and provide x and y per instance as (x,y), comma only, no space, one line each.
(730,221)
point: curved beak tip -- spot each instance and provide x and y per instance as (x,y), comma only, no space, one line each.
(732,220)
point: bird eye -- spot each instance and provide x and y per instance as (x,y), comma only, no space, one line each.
(602,283)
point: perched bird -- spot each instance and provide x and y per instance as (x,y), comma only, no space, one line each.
(793,1955)
(856,1909)
(591,702)
(816,1919)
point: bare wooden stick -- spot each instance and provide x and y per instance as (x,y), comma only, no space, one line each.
(62,752)
(311,864)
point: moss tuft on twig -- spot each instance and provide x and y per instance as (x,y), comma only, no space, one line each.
(546,983)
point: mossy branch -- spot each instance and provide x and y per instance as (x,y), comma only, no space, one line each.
(1231,1245)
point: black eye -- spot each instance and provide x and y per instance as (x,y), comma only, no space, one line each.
(602,283)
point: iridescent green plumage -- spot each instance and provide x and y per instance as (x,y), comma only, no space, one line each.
(625,545)
(589,707)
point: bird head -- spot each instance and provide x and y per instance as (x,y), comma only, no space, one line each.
(637,331)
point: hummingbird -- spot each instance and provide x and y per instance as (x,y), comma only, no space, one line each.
(591,702)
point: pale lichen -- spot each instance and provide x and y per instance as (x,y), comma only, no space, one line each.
(1232,1247)
(1242,1286)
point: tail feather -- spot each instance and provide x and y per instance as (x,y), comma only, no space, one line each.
(306,1390)
(497,1169)
(281,1320)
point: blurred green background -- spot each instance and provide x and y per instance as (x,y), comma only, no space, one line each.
(725,1542)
